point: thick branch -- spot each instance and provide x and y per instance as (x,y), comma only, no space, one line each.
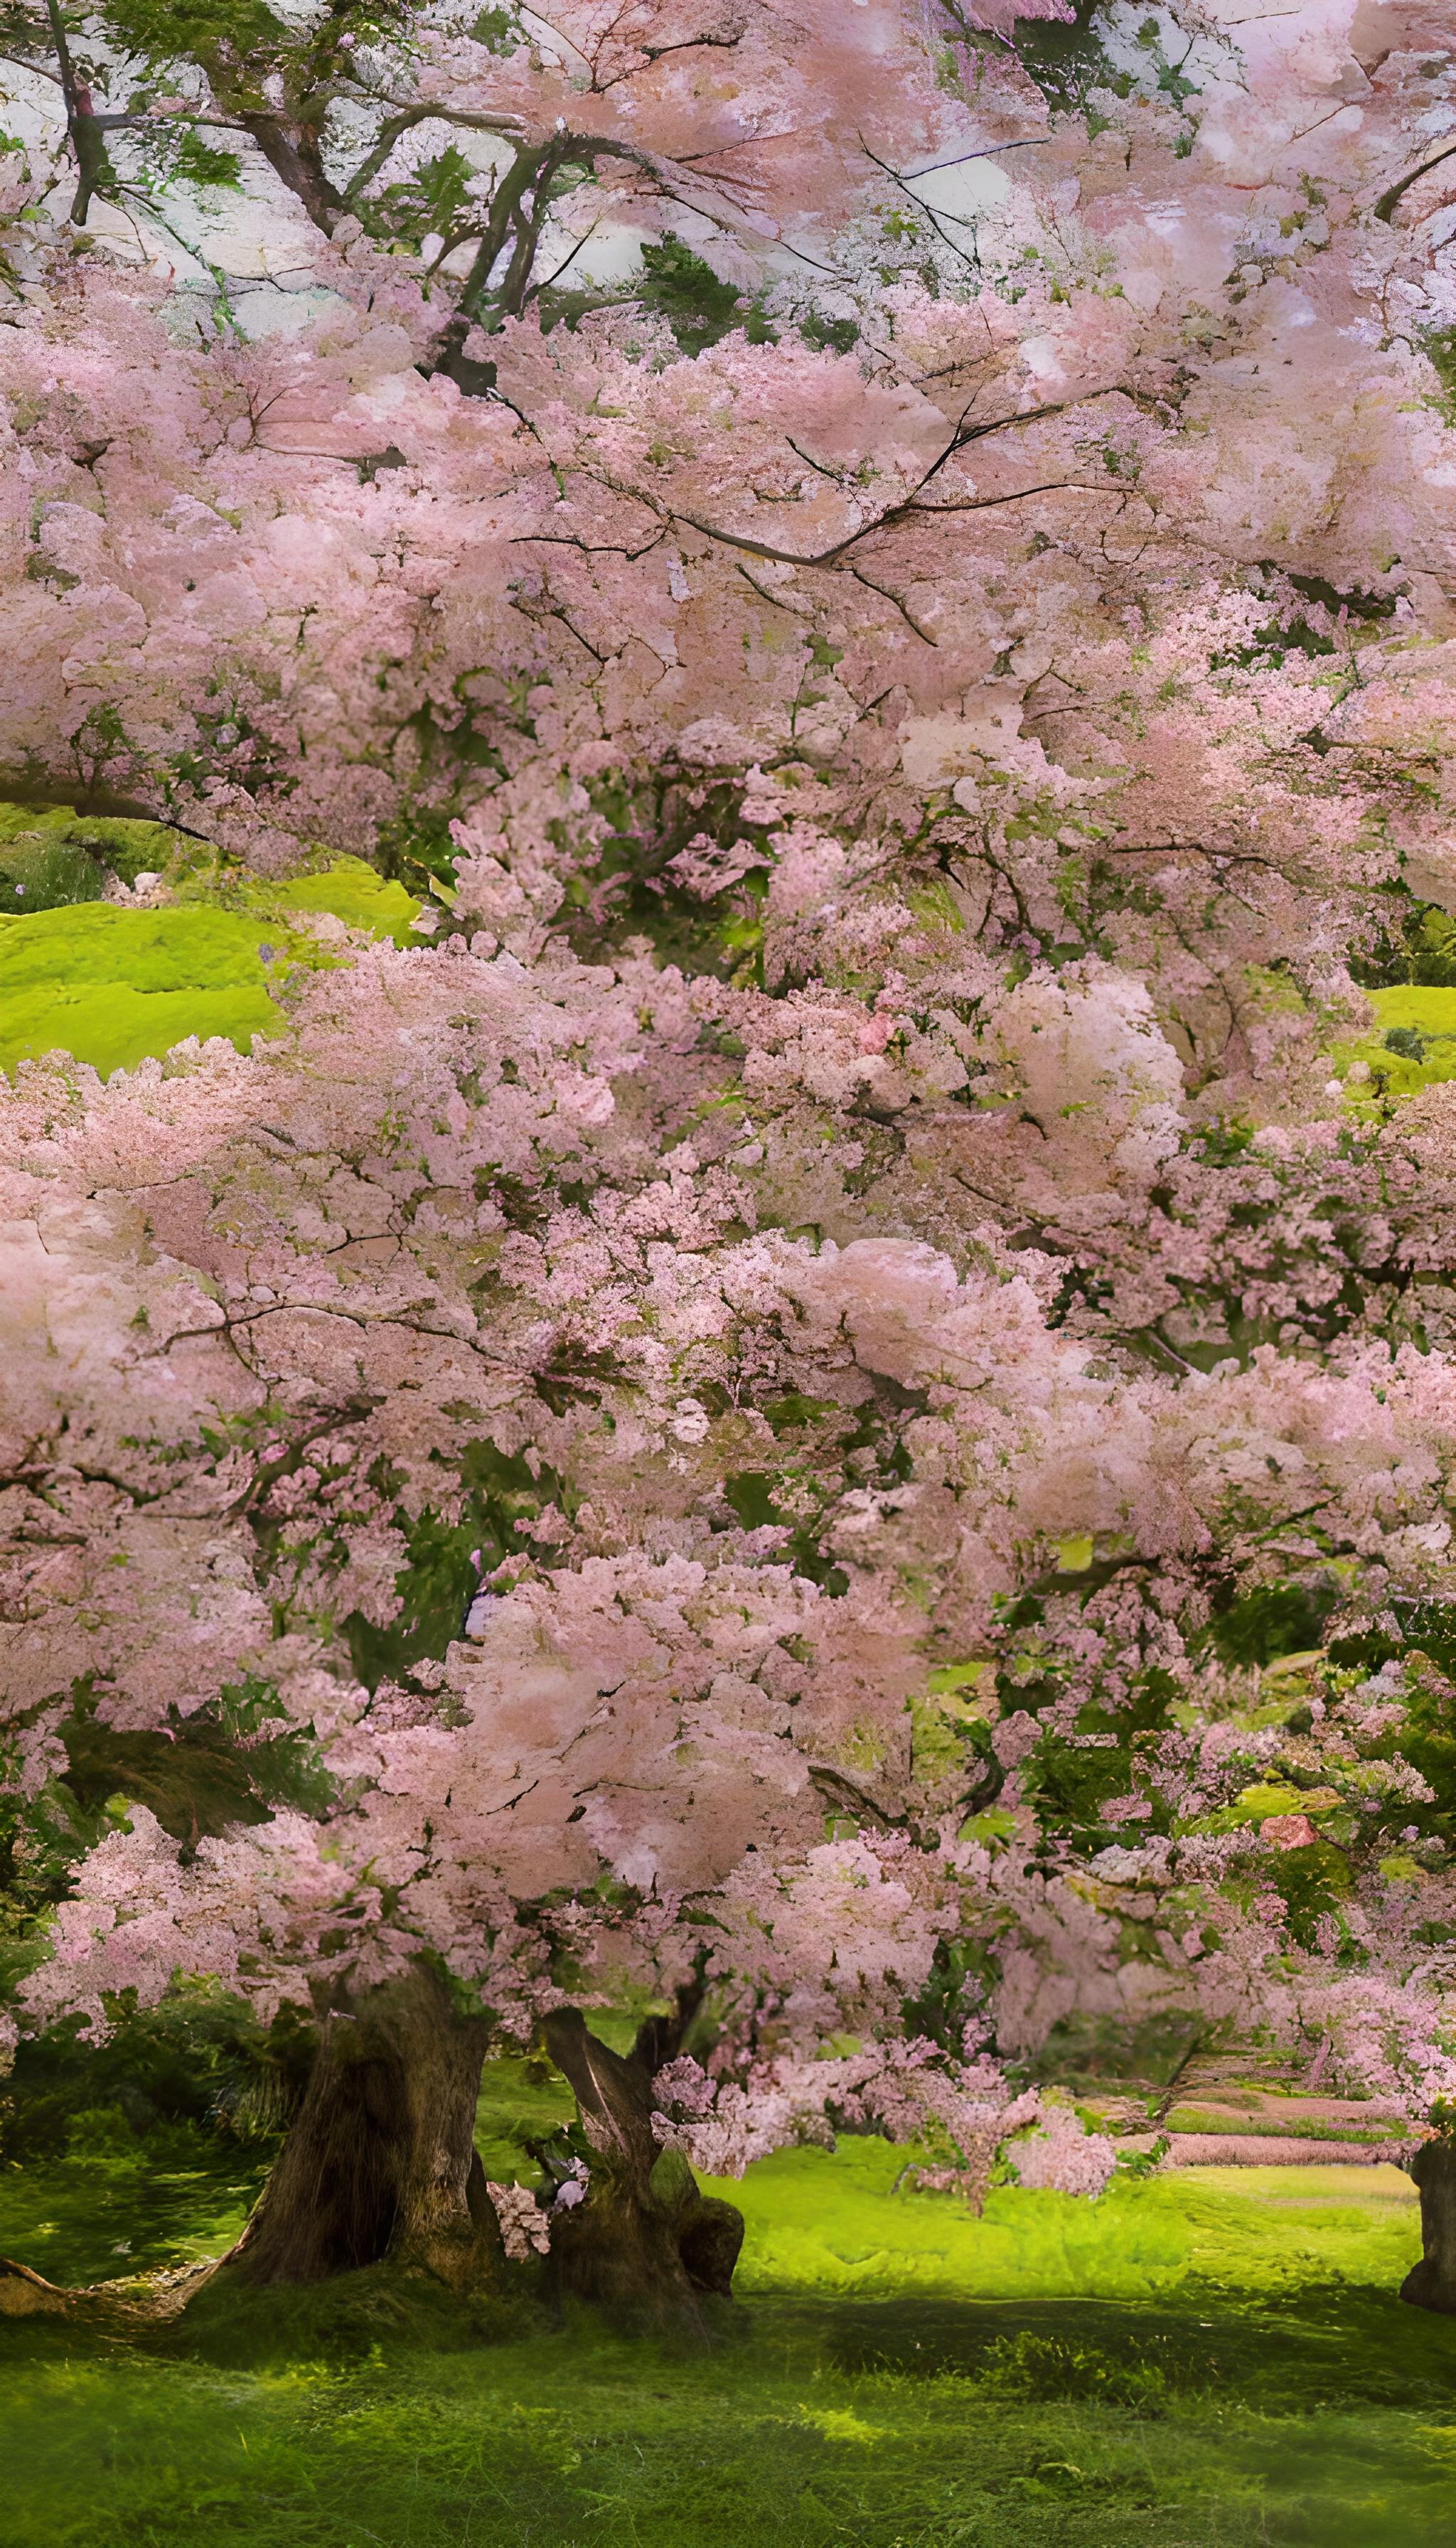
(1385,207)
(292,153)
(94,171)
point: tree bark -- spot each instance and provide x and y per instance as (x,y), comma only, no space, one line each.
(380,2163)
(1431,2284)
(292,153)
(645,2238)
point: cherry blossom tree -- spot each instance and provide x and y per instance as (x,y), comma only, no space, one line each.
(819,1420)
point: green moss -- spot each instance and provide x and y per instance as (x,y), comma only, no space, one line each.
(357,894)
(127,846)
(111,985)
(1413,1047)
(1255,1805)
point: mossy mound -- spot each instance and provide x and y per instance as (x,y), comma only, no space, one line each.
(358,895)
(1413,1047)
(345,2321)
(112,986)
(109,987)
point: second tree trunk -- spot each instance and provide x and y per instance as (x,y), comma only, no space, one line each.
(1432,2283)
(645,2238)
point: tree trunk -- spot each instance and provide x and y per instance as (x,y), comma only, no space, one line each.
(645,2238)
(380,2163)
(1432,2283)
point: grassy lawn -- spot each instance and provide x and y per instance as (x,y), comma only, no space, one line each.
(1201,2361)
(111,985)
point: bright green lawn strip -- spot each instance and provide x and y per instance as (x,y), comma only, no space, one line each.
(112,986)
(818,2222)
(1431,1013)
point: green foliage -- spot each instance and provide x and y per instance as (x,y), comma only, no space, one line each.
(500,29)
(198,2063)
(1427,1735)
(177,154)
(1313,1881)
(631,889)
(749,1495)
(1438,344)
(1071,62)
(432,197)
(419,853)
(1279,1619)
(197,1777)
(1424,955)
(1067,60)
(447,1558)
(830,337)
(1428,1743)
(202,31)
(679,286)
(1091,2050)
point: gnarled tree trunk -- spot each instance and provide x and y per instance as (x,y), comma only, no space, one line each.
(380,2163)
(1432,2283)
(645,2238)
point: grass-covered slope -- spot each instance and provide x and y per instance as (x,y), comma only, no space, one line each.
(109,987)
(1412,1045)
(111,984)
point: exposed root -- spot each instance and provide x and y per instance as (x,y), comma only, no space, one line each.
(129,2303)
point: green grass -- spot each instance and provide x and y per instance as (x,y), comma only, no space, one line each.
(832,2224)
(1211,2359)
(809,2429)
(114,2205)
(355,893)
(1430,1013)
(111,985)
